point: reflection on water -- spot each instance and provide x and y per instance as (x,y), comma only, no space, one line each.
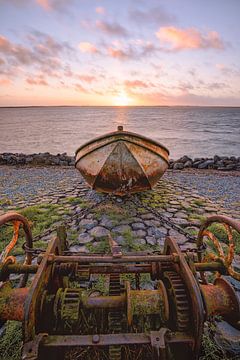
(194,131)
(122,115)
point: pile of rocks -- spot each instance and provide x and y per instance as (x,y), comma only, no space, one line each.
(36,159)
(217,162)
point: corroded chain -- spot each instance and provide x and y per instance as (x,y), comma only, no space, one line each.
(165,221)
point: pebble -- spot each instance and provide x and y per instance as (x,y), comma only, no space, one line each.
(151,240)
(88,223)
(85,238)
(138,226)
(121,229)
(139,233)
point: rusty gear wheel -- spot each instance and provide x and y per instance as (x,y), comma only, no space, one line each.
(114,317)
(178,301)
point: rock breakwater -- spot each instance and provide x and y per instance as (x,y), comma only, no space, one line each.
(223,163)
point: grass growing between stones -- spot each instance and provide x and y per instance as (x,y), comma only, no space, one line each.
(115,213)
(199,202)
(77,201)
(101,247)
(130,243)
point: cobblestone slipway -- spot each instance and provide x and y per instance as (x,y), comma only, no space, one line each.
(176,207)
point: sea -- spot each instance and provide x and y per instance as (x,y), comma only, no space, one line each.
(192,131)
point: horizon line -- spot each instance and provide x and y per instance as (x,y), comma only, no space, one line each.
(119,106)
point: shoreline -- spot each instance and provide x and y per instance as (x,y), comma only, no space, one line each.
(219,163)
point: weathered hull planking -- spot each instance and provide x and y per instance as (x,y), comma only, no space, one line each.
(122,162)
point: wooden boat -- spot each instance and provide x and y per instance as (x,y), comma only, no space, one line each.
(122,162)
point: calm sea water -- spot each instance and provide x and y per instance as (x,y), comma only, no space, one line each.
(195,131)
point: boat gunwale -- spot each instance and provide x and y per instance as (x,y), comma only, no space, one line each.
(110,142)
(127,133)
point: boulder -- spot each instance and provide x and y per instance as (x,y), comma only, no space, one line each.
(184,159)
(178,166)
(227,337)
(206,164)
(188,164)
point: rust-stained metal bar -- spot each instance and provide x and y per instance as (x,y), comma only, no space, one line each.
(19,268)
(111,259)
(211,266)
(104,302)
(105,268)
(110,339)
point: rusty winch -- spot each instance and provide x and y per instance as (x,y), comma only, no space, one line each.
(66,316)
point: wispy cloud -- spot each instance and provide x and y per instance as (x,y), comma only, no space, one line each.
(87,78)
(45,4)
(191,38)
(37,80)
(132,84)
(43,50)
(58,5)
(227,70)
(118,53)
(133,50)
(111,28)
(78,87)
(156,15)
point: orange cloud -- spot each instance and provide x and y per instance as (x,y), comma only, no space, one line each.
(87,47)
(44,4)
(87,78)
(80,88)
(100,10)
(180,39)
(136,84)
(58,5)
(37,81)
(117,53)
(5,82)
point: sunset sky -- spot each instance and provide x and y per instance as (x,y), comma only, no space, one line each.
(85,52)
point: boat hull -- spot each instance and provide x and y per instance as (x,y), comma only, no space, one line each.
(122,162)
